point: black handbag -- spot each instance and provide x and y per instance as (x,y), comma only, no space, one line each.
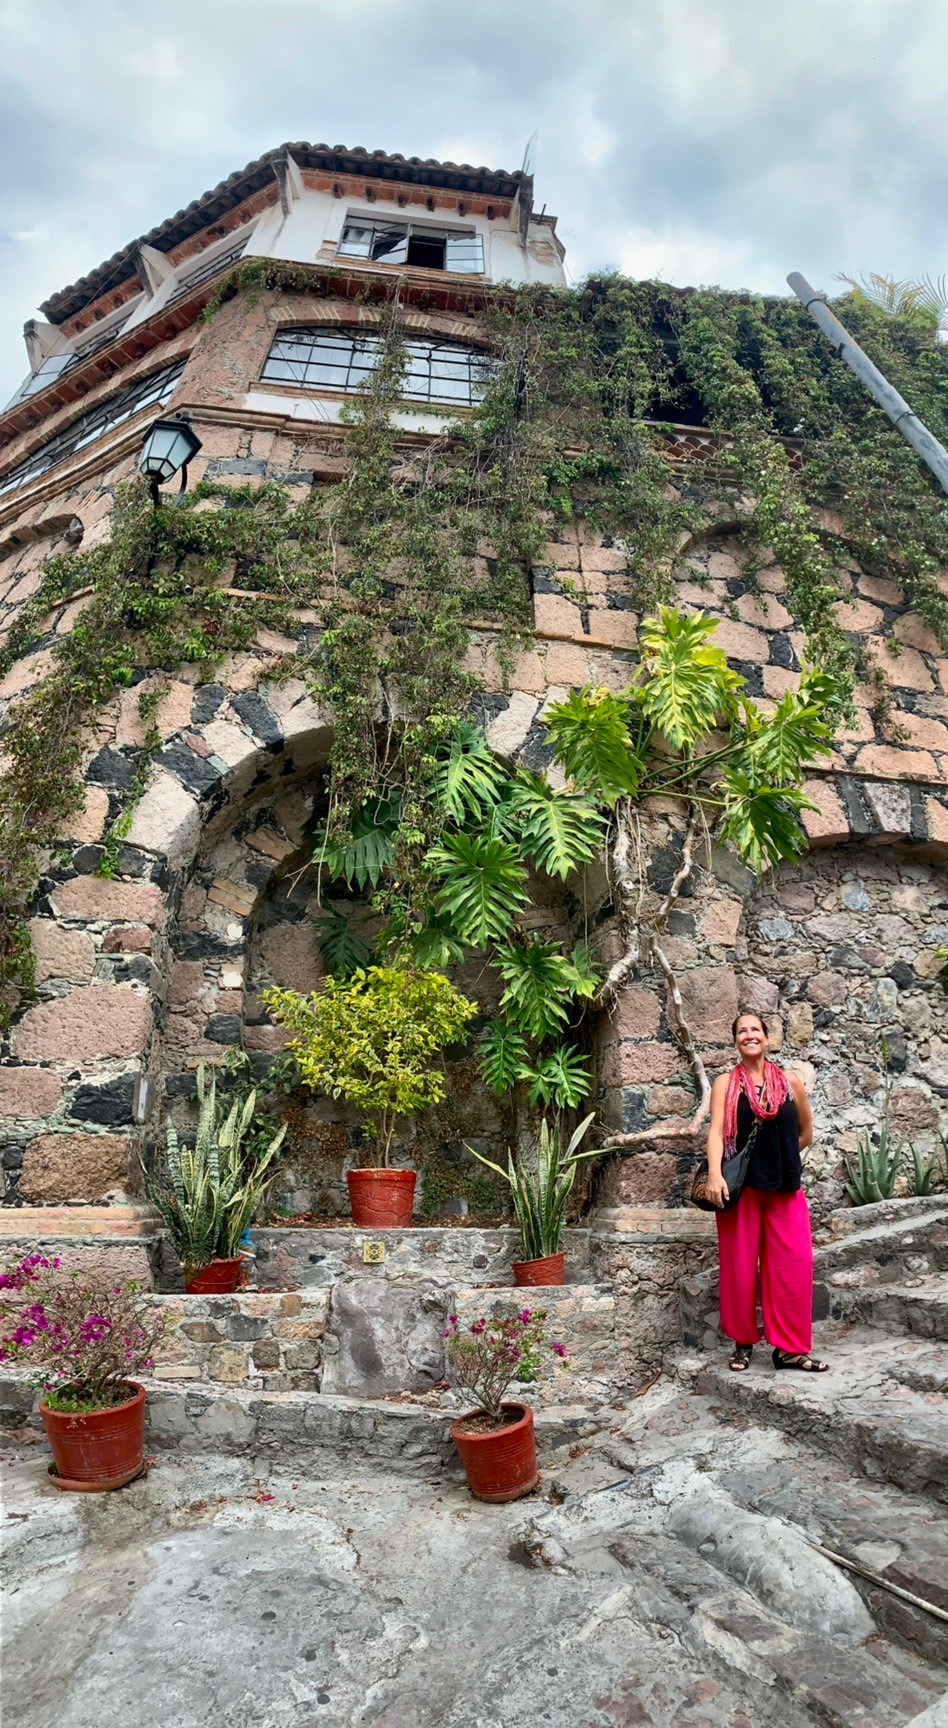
(734,1170)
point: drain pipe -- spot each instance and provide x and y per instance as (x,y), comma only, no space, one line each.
(903,418)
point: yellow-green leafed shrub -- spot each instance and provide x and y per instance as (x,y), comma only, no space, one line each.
(376,1039)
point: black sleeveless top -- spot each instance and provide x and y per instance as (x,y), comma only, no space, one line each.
(775,1157)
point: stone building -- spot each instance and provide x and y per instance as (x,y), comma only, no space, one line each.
(141,976)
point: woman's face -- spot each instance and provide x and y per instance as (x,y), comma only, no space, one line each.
(750,1038)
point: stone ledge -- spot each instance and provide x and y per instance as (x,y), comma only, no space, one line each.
(83,1223)
(646,1223)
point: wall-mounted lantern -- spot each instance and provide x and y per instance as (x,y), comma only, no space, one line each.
(169,445)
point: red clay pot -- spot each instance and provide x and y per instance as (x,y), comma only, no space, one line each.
(382,1199)
(550,1270)
(98,1449)
(503,1465)
(218,1278)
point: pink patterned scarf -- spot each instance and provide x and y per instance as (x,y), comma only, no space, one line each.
(776,1092)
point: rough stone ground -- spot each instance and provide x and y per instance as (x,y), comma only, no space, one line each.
(666,1577)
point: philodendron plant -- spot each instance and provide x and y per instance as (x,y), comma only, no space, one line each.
(215,1188)
(540,1194)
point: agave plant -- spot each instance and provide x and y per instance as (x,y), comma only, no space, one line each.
(214,1189)
(875,1172)
(540,1195)
(923,1175)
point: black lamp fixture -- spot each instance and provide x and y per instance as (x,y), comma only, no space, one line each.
(169,445)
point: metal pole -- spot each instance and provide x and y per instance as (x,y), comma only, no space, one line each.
(903,418)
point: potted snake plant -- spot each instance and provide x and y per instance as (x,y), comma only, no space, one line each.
(213,1190)
(540,1192)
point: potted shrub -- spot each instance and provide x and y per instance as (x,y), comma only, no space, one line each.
(375,1039)
(540,1194)
(213,1190)
(84,1338)
(496,1441)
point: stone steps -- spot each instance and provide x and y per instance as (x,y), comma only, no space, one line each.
(901,1536)
(744,1594)
(919,1308)
(865,1248)
(865,1411)
(332,1434)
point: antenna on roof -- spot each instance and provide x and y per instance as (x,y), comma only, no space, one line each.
(530,156)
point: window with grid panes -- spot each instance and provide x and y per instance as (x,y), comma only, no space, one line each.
(146,393)
(414,243)
(334,359)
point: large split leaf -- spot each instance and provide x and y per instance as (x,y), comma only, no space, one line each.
(482,886)
(687,686)
(590,736)
(558,830)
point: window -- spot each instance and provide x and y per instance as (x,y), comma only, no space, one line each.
(147,393)
(414,243)
(204,271)
(334,359)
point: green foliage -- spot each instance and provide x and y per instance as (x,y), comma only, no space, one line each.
(360,855)
(590,737)
(468,781)
(375,1039)
(558,831)
(342,949)
(923,1172)
(504,1056)
(876,1170)
(482,886)
(541,1191)
(540,986)
(561,1079)
(687,686)
(212,1192)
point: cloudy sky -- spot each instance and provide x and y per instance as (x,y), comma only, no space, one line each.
(722,141)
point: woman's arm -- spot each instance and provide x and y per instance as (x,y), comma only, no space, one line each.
(804,1113)
(717,1188)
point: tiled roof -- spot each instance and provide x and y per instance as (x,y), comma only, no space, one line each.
(331,158)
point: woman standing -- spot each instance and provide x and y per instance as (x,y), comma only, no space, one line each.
(769,1226)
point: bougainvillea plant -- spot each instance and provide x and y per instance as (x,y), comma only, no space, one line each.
(82,1338)
(490,1354)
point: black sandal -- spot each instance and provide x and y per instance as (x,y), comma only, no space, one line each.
(741,1358)
(801,1362)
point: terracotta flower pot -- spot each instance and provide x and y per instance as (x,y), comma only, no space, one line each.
(97,1449)
(382,1199)
(218,1278)
(551,1269)
(500,1465)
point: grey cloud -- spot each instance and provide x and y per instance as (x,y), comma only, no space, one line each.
(726,139)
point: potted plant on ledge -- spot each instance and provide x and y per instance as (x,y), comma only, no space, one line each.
(214,1190)
(83,1340)
(539,1196)
(496,1441)
(376,1039)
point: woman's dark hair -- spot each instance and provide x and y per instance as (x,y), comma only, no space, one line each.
(748,1014)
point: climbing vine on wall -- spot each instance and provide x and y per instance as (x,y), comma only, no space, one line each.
(423,537)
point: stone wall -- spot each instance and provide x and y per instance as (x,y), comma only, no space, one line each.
(141,977)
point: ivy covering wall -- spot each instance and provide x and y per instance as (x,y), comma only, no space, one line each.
(420,538)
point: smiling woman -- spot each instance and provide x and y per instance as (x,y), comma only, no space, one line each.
(766,1225)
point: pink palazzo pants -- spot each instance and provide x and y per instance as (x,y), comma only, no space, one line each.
(772,1231)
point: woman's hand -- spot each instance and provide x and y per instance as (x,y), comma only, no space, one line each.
(717,1190)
